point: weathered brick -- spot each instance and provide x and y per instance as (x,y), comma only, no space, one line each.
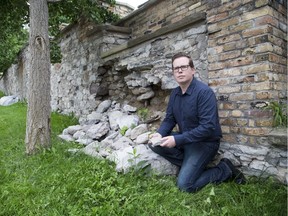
(266,47)
(264,76)
(248,79)
(251,123)
(214,50)
(262,57)
(264,20)
(279,51)
(242,96)
(247,1)
(229,38)
(266,95)
(216,66)
(257,13)
(223,24)
(257,31)
(254,114)
(264,122)
(225,129)
(237,113)
(212,58)
(229,55)
(229,6)
(220,33)
(257,40)
(242,122)
(217,17)
(254,131)
(212,43)
(201,8)
(241,26)
(280,34)
(240,61)
(223,113)
(229,89)
(230,72)
(242,139)
(192,7)
(242,105)
(257,86)
(235,45)
(260,3)
(228,121)
(235,129)
(228,105)
(230,138)
(255,68)
(218,82)
(282,69)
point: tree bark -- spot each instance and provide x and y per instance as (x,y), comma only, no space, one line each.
(39,108)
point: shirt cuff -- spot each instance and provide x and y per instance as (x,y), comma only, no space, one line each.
(179,139)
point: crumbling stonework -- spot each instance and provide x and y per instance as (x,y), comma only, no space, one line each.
(239,49)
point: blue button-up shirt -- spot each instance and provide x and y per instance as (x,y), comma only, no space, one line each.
(195,112)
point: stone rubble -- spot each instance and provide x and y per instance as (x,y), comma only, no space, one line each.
(100,135)
(116,133)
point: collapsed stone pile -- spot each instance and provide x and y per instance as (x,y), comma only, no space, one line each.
(116,133)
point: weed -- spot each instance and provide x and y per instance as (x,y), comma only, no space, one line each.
(143,113)
(279,113)
(123,130)
(138,167)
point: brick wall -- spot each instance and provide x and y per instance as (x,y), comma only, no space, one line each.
(247,56)
(247,64)
(156,14)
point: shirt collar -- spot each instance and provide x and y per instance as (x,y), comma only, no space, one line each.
(190,88)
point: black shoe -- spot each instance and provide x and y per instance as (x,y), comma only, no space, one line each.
(237,175)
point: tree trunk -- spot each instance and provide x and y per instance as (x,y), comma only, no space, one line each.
(39,109)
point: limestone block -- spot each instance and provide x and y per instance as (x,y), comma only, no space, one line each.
(140,129)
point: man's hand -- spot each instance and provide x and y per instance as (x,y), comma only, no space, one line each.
(168,142)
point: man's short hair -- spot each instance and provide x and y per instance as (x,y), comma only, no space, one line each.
(182,54)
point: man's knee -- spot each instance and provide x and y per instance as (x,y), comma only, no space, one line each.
(185,186)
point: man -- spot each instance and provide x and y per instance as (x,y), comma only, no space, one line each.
(193,107)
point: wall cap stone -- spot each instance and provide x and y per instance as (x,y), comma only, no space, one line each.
(196,17)
(278,137)
(141,8)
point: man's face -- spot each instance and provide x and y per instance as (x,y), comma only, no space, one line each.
(183,73)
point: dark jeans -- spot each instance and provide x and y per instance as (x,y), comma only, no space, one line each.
(192,160)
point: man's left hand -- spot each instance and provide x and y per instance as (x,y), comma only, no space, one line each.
(168,142)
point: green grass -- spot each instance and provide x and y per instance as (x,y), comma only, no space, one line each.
(58,183)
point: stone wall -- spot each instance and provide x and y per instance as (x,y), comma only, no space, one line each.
(239,49)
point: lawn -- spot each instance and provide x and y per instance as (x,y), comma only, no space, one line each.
(56,182)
